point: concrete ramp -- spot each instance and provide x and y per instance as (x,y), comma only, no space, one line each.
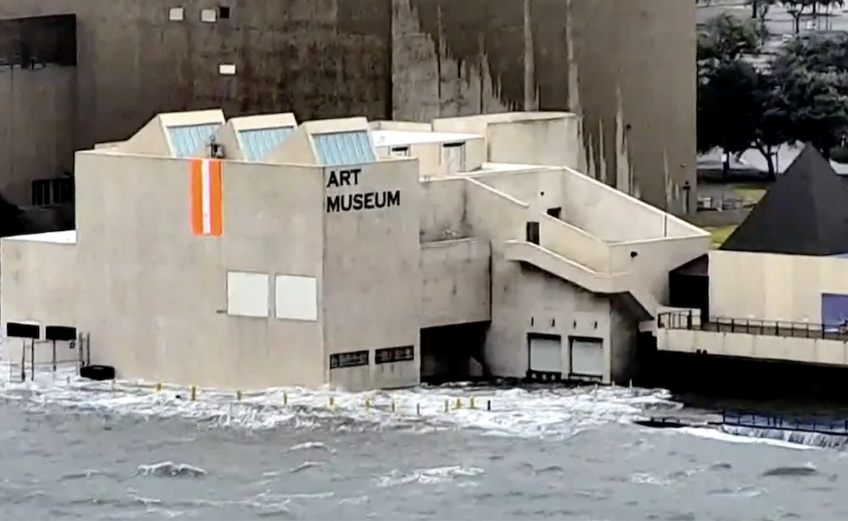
(578,274)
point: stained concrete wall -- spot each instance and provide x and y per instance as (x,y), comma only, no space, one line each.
(38,283)
(455,282)
(34,124)
(790,349)
(371,274)
(767,286)
(154,296)
(627,67)
(38,83)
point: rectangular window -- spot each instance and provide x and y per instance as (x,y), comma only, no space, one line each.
(224,12)
(353,359)
(394,354)
(176,14)
(208,15)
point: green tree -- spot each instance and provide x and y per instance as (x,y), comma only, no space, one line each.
(738,107)
(727,38)
(811,76)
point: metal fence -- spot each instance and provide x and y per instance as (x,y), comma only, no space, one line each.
(750,326)
(757,420)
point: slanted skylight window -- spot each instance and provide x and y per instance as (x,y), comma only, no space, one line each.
(187,140)
(258,143)
(344,148)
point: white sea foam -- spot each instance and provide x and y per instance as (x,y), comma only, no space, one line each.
(514,412)
(715,434)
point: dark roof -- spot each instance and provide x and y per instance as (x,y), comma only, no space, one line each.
(699,267)
(805,212)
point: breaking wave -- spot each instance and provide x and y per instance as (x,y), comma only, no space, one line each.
(169,469)
(551,412)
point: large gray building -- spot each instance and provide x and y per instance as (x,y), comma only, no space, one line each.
(626,66)
(255,252)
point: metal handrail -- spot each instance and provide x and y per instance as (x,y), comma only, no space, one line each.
(692,321)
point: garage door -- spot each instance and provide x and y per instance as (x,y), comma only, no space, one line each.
(587,357)
(546,354)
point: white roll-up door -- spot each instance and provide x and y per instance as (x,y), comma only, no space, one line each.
(546,354)
(587,357)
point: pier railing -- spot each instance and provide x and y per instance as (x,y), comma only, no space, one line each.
(750,326)
(755,420)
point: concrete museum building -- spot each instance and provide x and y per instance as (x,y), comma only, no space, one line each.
(257,252)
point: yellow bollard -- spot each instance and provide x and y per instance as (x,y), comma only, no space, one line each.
(238,396)
(459,403)
(193,393)
(472,405)
(367,404)
(285,398)
(158,388)
(394,406)
(332,402)
(447,405)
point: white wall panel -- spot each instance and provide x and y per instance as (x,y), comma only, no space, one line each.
(296,298)
(247,294)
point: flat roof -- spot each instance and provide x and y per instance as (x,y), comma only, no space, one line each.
(65,237)
(395,138)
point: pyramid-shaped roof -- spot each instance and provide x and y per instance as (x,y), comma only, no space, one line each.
(805,212)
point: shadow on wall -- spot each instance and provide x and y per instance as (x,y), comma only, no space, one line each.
(15,220)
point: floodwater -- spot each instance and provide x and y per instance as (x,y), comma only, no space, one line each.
(81,450)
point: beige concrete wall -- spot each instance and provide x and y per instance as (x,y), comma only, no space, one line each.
(35,140)
(443,214)
(805,350)
(371,274)
(455,282)
(773,287)
(612,215)
(38,283)
(654,259)
(519,293)
(555,141)
(429,156)
(156,295)
(541,188)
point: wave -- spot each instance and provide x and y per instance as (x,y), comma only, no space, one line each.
(169,469)
(549,413)
(427,476)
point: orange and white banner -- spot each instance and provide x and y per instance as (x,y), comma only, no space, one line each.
(207,197)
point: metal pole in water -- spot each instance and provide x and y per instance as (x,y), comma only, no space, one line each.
(32,361)
(54,356)
(23,360)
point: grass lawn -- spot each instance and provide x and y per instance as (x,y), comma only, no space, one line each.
(751,194)
(720,234)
